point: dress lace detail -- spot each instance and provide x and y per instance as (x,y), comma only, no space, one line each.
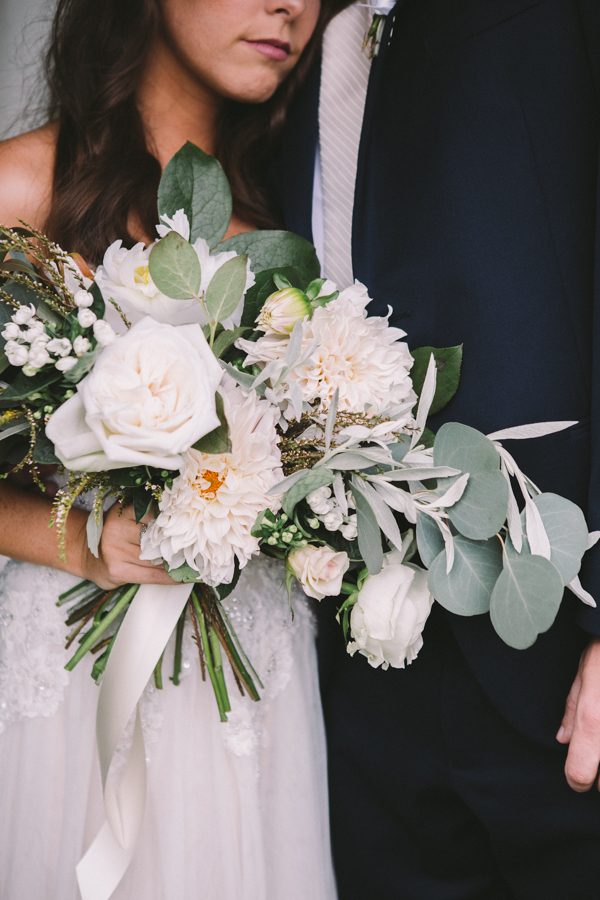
(33,655)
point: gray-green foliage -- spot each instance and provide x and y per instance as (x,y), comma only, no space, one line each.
(175,267)
(196,183)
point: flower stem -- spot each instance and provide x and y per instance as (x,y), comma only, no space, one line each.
(158,680)
(124,598)
(217,680)
(175,677)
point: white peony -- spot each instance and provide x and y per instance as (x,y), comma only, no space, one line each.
(320,570)
(206,517)
(148,399)
(124,276)
(388,619)
(360,356)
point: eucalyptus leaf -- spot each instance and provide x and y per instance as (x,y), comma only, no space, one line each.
(467,589)
(226,339)
(218,440)
(481,511)
(567,532)
(525,599)
(369,534)
(383,514)
(448,361)
(312,481)
(184,574)
(195,182)
(175,267)
(276,249)
(464,448)
(430,542)
(226,289)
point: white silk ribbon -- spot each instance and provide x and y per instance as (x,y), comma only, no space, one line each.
(142,637)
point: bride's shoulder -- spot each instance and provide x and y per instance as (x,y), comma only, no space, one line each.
(26,174)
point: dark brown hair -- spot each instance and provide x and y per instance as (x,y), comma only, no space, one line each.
(104,175)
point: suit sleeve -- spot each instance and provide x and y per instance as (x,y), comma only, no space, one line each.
(588,617)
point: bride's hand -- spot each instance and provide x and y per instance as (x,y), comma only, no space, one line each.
(119,561)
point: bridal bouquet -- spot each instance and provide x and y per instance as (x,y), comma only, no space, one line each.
(241,403)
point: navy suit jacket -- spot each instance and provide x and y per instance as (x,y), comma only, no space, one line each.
(476,219)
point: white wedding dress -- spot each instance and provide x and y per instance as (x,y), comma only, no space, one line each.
(235,811)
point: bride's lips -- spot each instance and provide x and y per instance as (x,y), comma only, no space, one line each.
(272,49)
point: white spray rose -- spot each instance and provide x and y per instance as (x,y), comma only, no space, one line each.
(86,318)
(388,619)
(59,346)
(83,299)
(103,333)
(81,345)
(320,570)
(24,314)
(11,331)
(148,399)
(16,354)
(65,363)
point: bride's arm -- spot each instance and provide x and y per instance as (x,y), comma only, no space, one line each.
(25,534)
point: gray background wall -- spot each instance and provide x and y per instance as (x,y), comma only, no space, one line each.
(23,29)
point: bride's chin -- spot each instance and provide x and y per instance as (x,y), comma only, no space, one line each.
(249,87)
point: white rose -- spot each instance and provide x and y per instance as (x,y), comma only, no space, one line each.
(65,363)
(11,331)
(59,346)
(86,318)
(281,310)
(24,314)
(81,345)
(16,354)
(388,618)
(103,333)
(148,399)
(83,299)
(320,570)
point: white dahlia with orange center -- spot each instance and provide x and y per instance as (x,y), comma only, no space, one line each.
(206,517)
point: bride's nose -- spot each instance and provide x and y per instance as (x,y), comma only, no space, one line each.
(290,8)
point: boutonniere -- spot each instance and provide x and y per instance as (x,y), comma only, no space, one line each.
(379,10)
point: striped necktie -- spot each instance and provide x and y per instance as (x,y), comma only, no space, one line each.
(344,80)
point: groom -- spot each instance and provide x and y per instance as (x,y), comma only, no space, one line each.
(456,174)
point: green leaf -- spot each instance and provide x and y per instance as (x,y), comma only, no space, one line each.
(430,542)
(195,182)
(276,250)
(448,361)
(464,448)
(369,534)
(18,428)
(83,365)
(312,481)
(226,339)
(175,267)
(217,441)
(226,289)
(481,511)
(525,599)
(93,529)
(263,287)
(23,386)
(184,574)
(467,589)
(44,451)
(142,504)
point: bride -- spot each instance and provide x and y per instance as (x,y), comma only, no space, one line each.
(235,810)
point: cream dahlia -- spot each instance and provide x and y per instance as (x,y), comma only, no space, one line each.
(360,356)
(206,517)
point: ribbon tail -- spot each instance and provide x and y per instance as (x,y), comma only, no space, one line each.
(142,638)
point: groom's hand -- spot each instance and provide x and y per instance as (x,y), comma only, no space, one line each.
(580,727)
